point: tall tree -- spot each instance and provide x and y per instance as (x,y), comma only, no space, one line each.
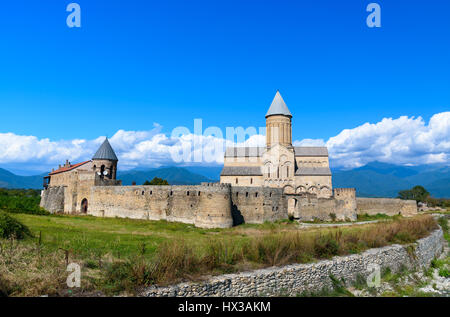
(417,193)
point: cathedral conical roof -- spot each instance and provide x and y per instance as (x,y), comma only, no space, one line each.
(105,152)
(278,107)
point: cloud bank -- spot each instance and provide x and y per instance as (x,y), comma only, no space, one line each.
(405,140)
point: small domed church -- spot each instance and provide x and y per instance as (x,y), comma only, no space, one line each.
(71,183)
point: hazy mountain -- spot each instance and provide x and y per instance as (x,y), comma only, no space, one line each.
(372,180)
(10,180)
(211,172)
(174,175)
(386,180)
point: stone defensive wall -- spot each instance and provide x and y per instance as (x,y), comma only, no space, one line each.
(342,205)
(203,206)
(294,279)
(209,205)
(258,204)
(387,206)
(52,199)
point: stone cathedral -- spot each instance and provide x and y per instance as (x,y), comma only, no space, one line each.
(279,164)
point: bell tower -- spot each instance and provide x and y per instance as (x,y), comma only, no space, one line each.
(278,123)
(105,161)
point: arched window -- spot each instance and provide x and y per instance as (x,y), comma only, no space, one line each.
(84,206)
(251,180)
(102,170)
(236,180)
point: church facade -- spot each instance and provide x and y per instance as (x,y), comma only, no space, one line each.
(279,164)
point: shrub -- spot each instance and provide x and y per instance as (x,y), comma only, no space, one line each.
(10,227)
(21,201)
(444,272)
(157,181)
(443,222)
(325,247)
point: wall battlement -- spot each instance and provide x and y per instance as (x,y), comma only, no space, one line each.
(217,184)
(344,193)
(203,206)
(387,206)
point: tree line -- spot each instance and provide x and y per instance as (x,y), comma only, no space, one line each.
(420,194)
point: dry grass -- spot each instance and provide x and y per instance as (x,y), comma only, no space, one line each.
(26,271)
(30,269)
(176,260)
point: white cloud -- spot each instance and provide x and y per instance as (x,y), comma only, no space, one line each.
(405,140)
(400,141)
(309,142)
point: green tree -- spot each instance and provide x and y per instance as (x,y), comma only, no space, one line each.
(157,181)
(417,193)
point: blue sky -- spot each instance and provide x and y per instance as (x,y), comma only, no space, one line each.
(135,63)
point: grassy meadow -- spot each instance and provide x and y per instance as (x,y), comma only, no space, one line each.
(122,255)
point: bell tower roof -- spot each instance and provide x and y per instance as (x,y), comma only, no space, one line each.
(278,107)
(105,152)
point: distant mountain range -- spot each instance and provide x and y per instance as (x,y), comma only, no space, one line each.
(174,175)
(10,180)
(372,180)
(386,180)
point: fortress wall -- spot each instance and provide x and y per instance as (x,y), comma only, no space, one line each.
(258,204)
(52,199)
(388,206)
(310,208)
(345,203)
(204,206)
(342,205)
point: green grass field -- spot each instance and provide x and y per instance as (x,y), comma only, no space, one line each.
(119,254)
(87,237)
